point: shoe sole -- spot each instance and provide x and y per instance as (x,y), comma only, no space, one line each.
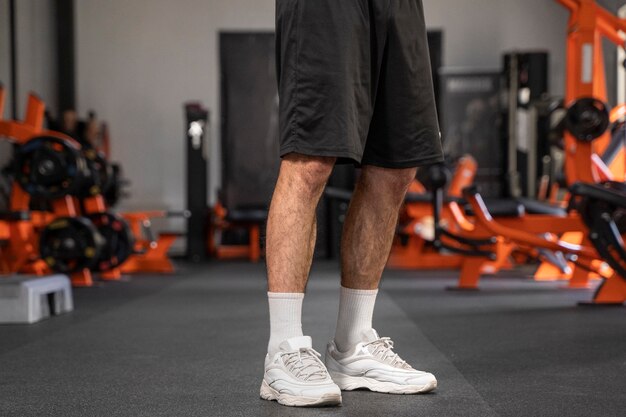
(350,383)
(327,400)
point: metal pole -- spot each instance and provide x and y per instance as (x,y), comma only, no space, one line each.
(13,58)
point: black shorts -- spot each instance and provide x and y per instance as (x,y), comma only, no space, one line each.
(355,82)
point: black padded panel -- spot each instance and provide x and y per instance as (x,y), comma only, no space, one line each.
(15,215)
(247,215)
(249,119)
(538,207)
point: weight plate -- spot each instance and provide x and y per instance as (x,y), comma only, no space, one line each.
(587,119)
(100,175)
(70,244)
(49,167)
(118,240)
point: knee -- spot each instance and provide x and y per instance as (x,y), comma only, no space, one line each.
(308,173)
(396,181)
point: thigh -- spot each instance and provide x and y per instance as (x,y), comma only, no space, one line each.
(404,131)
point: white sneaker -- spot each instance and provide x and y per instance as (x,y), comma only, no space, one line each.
(373,364)
(296,376)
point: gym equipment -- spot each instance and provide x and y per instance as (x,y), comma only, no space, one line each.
(249,108)
(71,244)
(50,167)
(437,177)
(433,231)
(586,135)
(587,119)
(100,174)
(526,82)
(613,288)
(31,299)
(117,187)
(57,217)
(223,220)
(119,241)
(603,208)
(150,253)
(588,27)
(197,180)
(18,244)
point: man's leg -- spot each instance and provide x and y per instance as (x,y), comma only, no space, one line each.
(294,374)
(358,357)
(291,222)
(371,224)
(367,237)
(291,232)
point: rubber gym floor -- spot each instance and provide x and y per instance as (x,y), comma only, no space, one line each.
(193,345)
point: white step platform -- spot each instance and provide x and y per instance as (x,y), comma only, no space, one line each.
(28,299)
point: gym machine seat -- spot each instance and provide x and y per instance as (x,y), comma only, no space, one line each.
(501,208)
(248,218)
(251,215)
(539,207)
(15,216)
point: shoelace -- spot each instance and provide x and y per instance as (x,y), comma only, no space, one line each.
(305,364)
(383,349)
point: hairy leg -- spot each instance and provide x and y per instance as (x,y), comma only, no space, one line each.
(370,225)
(291,225)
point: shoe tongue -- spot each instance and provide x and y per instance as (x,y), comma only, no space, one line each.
(369,335)
(296,343)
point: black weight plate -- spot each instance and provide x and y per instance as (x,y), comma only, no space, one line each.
(49,167)
(70,244)
(587,119)
(100,175)
(118,240)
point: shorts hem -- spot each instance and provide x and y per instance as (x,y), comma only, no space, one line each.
(326,152)
(411,163)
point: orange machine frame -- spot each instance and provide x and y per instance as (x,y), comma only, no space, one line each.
(151,255)
(588,25)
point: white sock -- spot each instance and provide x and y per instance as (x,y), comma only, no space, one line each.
(356,308)
(285,318)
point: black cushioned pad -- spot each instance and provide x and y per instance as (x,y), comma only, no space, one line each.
(539,207)
(14,215)
(496,207)
(338,193)
(500,208)
(428,197)
(519,207)
(247,215)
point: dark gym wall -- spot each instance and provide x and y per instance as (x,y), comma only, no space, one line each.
(36,52)
(5,69)
(610,56)
(5,50)
(249,106)
(66,57)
